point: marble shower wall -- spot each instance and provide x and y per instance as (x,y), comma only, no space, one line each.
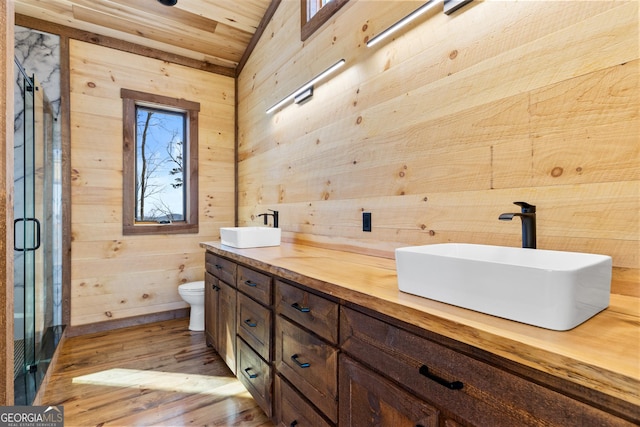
(39,55)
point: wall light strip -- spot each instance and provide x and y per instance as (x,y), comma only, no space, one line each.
(404,21)
(305,87)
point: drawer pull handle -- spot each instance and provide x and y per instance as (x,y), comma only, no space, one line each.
(250,323)
(250,283)
(454,385)
(218,267)
(247,370)
(294,423)
(300,364)
(300,308)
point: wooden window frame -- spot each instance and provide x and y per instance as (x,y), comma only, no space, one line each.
(309,25)
(131,98)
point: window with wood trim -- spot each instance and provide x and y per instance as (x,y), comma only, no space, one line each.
(314,13)
(160,164)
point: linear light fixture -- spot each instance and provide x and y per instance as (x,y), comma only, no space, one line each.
(306,90)
(404,21)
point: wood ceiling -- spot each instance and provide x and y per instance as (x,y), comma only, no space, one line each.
(216,32)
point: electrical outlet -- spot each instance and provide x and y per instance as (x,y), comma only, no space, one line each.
(366,221)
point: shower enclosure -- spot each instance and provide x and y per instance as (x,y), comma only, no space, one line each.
(36,196)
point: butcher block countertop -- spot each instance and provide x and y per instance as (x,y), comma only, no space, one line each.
(602,354)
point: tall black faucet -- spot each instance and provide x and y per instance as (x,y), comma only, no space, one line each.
(274,215)
(528,217)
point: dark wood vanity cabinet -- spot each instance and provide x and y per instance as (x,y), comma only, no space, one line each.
(310,359)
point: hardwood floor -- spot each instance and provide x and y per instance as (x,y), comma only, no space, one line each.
(159,374)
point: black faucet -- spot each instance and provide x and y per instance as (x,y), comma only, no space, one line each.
(528,217)
(274,215)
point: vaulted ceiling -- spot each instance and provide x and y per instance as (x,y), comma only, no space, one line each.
(216,32)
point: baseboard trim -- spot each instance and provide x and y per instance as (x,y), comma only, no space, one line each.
(109,325)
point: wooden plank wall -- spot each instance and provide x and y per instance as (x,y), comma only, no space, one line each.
(439,130)
(115,276)
(6,202)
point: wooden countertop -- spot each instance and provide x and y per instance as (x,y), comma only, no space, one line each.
(602,354)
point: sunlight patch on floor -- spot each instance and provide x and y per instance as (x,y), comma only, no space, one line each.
(165,381)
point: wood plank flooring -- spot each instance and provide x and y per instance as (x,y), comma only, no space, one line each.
(160,374)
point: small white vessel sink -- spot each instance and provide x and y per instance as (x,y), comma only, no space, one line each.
(550,289)
(250,237)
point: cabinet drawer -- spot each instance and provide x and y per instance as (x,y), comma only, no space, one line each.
(255,374)
(254,325)
(310,364)
(474,391)
(367,399)
(314,312)
(222,268)
(293,410)
(255,284)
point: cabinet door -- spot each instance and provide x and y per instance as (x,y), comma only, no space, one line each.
(227,324)
(367,400)
(211,289)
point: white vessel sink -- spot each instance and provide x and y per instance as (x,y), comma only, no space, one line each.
(250,237)
(550,289)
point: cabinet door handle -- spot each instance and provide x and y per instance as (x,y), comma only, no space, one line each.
(248,371)
(300,364)
(215,288)
(250,323)
(37,234)
(218,267)
(250,283)
(294,423)
(453,385)
(300,308)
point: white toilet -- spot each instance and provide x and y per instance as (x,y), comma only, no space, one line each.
(193,293)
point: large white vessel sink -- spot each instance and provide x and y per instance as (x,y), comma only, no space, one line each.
(250,237)
(550,289)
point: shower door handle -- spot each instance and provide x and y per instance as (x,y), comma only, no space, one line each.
(37,243)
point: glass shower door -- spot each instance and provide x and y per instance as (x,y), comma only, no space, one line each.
(33,308)
(26,237)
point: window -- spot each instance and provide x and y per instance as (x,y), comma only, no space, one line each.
(314,13)
(160,164)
